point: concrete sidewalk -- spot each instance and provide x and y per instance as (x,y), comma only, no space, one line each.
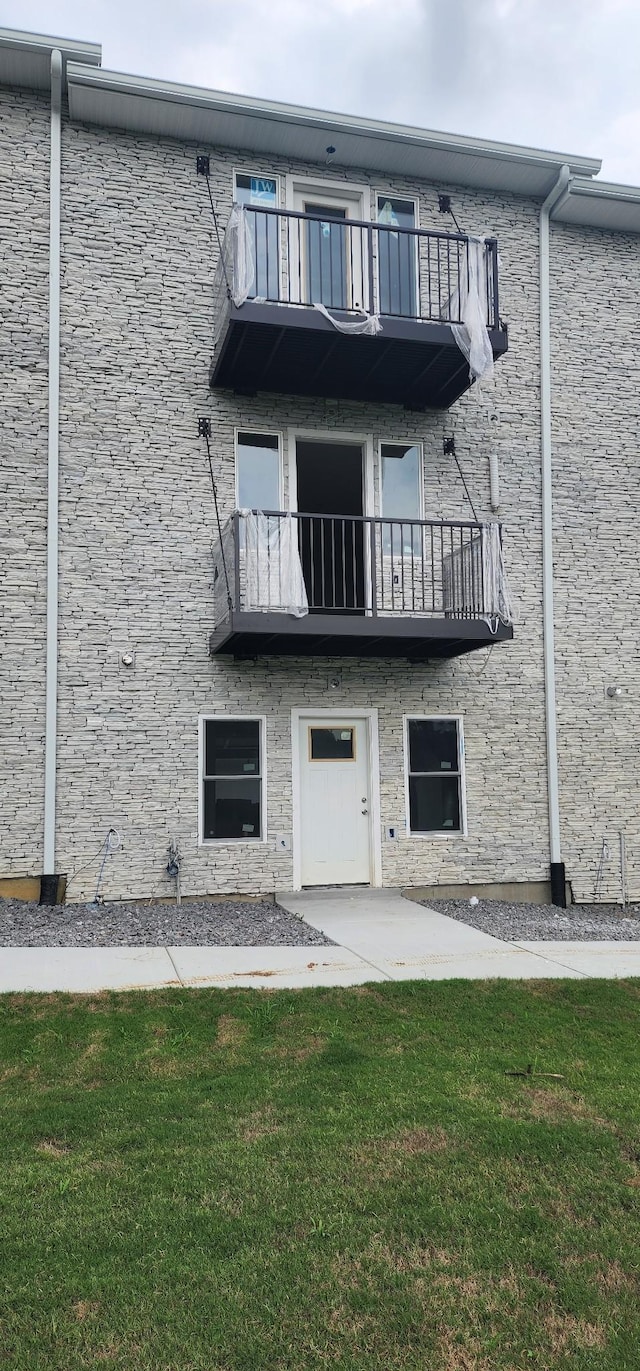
(380,937)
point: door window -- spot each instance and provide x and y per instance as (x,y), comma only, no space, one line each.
(396,257)
(259,193)
(326,243)
(332,744)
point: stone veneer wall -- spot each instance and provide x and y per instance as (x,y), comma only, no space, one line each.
(596,437)
(137,528)
(24,310)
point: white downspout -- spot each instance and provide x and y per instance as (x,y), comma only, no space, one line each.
(51,693)
(558,193)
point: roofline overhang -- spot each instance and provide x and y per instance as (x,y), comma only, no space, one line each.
(599,204)
(224,102)
(40,44)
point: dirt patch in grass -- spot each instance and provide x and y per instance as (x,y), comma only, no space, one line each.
(260,1124)
(566,1333)
(552,1106)
(84,1309)
(387,1156)
(231,1032)
(53,1147)
(613,1279)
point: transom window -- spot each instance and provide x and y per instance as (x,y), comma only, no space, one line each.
(232,780)
(434,764)
(258,471)
(259,193)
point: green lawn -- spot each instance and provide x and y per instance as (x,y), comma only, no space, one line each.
(236,1180)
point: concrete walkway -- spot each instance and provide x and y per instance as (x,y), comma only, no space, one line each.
(380,937)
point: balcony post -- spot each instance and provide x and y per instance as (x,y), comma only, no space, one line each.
(373,578)
(372,307)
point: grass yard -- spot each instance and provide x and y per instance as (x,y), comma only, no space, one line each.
(246,1181)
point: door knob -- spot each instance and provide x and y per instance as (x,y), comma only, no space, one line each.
(364,799)
(365,811)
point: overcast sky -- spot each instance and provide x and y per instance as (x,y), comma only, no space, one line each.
(560,74)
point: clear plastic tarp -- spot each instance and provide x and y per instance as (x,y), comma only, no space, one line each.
(368,323)
(469,304)
(240,255)
(474,581)
(273,578)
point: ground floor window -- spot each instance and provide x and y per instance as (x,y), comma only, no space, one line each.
(435,791)
(232,779)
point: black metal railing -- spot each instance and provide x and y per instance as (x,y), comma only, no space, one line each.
(289,257)
(331,563)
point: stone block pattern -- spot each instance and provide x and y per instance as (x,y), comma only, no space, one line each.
(137,529)
(24,308)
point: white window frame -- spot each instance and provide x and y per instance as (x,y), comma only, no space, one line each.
(409,200)
(259,433)
(440,833)
(261,720)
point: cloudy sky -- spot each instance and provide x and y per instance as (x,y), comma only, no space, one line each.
(561,74)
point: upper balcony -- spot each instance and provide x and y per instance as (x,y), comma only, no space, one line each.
(301,584)
(339,307)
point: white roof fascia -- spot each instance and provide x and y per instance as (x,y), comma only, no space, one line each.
(140,104)
(25,58)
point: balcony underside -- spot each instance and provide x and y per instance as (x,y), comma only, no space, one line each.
(294,350)
(246,634)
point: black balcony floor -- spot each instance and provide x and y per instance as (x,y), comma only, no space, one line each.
(246,634)
(294,350)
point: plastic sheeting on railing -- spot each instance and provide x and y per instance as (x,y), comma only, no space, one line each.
(369,323)
(474,579)
(273,579)
(469,304)
(240,255)
(497,599)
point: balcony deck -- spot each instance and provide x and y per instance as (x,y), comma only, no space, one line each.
(369,587)
(412,280)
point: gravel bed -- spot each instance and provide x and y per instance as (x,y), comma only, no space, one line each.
(225,923)
(530,922)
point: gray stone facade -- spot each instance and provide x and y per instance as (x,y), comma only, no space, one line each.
(137,527)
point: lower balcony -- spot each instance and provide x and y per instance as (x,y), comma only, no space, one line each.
(307,584)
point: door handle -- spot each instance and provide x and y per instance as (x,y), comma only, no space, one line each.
(364,811)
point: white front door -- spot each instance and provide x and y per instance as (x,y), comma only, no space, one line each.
(335,801)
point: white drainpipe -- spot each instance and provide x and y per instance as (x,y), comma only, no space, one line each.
(51,694)
(558,194)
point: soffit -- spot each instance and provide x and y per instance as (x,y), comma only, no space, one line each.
(211,118)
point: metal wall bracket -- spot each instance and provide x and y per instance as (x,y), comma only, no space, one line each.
(449,447)
(202,166)
(204,427)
